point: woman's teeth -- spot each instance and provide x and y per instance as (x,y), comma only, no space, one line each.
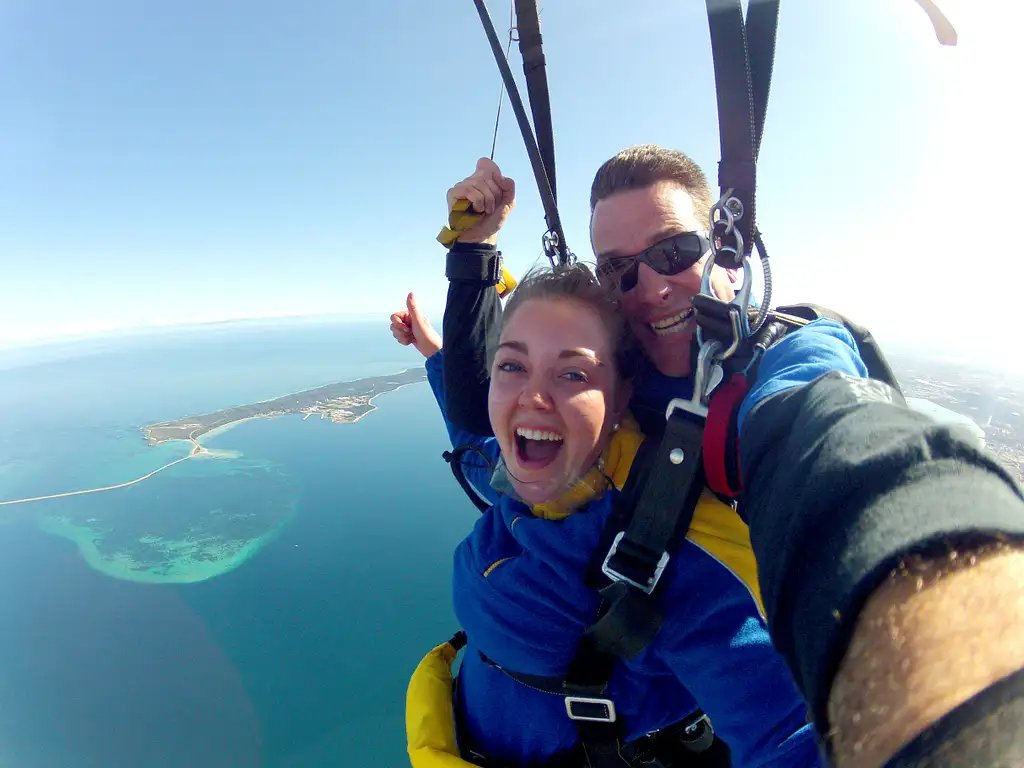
(536,448)
(536,434)
(670,325)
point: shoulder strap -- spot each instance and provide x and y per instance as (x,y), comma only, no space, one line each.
(870,352)
(668,482)
(721,438)
(652,513)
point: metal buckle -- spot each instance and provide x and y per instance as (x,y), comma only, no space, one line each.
(614,575)
(739,318)
(703,383)
(608,704)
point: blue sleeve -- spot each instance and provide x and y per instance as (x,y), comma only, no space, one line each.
(478,475)
(801,357)
(841,480)
(719,648)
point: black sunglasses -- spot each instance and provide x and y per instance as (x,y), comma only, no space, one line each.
(666,257)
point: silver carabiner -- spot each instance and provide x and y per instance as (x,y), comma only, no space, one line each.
(704,382)
(731,209)
(549,241)
(741,320)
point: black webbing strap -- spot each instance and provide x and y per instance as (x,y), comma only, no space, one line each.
(531,47)
(667,481)
(486,270)
(559,252)
(744,54)
(454,459)
(628,620)
(639,556)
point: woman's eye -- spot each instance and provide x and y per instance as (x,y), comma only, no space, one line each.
(510,367)
(575,376)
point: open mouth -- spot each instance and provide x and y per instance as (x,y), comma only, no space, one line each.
(669,325)
(536,448)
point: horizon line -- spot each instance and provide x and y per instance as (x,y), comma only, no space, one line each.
(157,328)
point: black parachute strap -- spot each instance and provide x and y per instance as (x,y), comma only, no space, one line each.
(531,47)
(454,459)
(627,619)
(652,513)
(555,247)
(639,554)
(744,54)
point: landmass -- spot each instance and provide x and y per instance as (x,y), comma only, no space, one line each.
(207,517)
(344,402)
(994,400)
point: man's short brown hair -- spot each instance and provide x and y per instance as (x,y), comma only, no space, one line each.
(646,164)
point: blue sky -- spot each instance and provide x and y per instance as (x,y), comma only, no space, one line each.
(194,161)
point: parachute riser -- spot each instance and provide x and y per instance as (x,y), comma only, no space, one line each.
(553,241)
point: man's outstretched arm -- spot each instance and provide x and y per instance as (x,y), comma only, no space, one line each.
(879,536)
(932,672)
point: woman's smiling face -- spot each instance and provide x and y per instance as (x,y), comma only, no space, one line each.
(553,398)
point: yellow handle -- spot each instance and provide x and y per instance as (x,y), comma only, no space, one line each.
(461,218)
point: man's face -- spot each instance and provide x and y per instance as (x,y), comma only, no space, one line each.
(660,307)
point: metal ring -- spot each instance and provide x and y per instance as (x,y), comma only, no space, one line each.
(721,206)
(735,205)
(730,221)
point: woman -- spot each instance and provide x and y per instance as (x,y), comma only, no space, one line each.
(563,442)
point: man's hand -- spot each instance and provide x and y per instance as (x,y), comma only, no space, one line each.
(490,194)
(408,326)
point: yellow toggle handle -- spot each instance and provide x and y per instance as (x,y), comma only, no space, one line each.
(461,218)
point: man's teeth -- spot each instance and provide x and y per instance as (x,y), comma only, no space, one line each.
(536,434)
(672,324)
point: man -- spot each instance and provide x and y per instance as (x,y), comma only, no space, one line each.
(874,635)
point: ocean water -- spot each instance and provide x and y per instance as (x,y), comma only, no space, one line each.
(261,608)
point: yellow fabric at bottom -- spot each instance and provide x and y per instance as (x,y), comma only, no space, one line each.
(430,714)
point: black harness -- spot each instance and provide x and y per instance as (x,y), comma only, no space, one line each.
(696,440)
(655,509)
(648,524)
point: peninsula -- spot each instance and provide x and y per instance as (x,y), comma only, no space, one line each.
(345,402)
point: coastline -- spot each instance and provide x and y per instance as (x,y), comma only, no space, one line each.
(199,451)
(175,424)
(369,402)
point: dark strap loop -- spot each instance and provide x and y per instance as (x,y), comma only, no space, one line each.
(454,459)
(486,270)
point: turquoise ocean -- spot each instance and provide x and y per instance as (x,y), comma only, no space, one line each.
(264,607)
